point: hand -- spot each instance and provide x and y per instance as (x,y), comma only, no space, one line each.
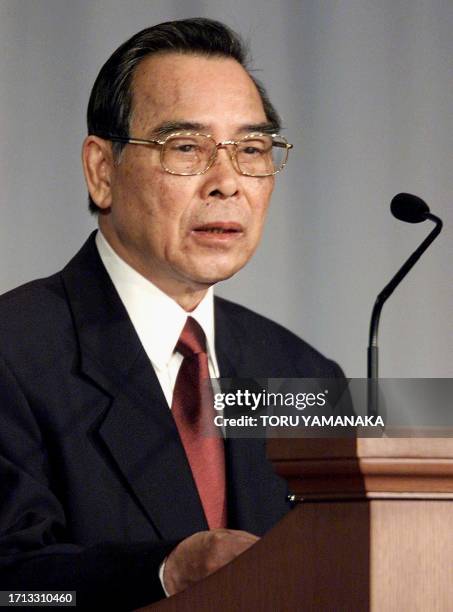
(202,554)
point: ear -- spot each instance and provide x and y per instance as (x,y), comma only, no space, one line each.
(97,161)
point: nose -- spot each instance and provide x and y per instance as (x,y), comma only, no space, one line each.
(221,180)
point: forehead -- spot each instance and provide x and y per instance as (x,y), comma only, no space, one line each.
(213,91)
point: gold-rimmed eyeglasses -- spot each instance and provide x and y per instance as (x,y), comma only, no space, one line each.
(192,153)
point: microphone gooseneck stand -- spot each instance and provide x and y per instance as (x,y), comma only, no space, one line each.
(411,209)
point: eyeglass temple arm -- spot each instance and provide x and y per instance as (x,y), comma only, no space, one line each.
(126,139)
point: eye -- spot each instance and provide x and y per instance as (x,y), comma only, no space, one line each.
(254,147)
(184,147)
(250,150)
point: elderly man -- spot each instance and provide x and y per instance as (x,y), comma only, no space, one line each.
(107,488)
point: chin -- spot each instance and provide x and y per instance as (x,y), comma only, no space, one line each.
(216,274)
(213,267)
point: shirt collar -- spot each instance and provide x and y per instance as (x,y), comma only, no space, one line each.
(157,318)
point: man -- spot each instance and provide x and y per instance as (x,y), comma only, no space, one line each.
(103,487)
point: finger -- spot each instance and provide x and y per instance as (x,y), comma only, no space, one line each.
(245,535)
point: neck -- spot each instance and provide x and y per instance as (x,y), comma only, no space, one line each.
(187,294)
(188,299)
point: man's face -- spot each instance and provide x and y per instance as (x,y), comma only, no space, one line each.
(161,223)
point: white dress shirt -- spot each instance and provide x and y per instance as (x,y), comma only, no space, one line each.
(157,318)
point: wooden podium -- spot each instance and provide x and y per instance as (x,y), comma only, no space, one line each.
(373,531)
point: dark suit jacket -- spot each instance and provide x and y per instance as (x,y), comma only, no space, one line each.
(95,488)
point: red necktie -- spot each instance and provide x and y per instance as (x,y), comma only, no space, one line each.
(193,412)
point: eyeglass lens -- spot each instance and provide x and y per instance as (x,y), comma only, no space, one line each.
(256,155)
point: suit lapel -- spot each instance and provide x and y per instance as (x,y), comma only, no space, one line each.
(138,430)
(256,497)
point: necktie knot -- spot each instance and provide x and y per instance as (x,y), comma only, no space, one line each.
(192,340)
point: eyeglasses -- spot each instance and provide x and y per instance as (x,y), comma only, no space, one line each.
(192,153)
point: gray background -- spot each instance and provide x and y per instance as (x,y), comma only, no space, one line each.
(365,88)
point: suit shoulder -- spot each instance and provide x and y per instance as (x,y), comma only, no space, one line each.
(33,317)
(266,337)
(35,295)
(247,320)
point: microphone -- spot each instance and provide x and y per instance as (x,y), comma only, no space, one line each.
(411,209)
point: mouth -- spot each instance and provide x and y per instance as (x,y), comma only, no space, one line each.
(218,230)
(219,227)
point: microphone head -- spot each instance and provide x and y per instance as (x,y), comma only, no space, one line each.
(409,208)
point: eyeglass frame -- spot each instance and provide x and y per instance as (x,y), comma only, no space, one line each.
(223,144)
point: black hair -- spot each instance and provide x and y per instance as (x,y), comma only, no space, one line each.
(110,104)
